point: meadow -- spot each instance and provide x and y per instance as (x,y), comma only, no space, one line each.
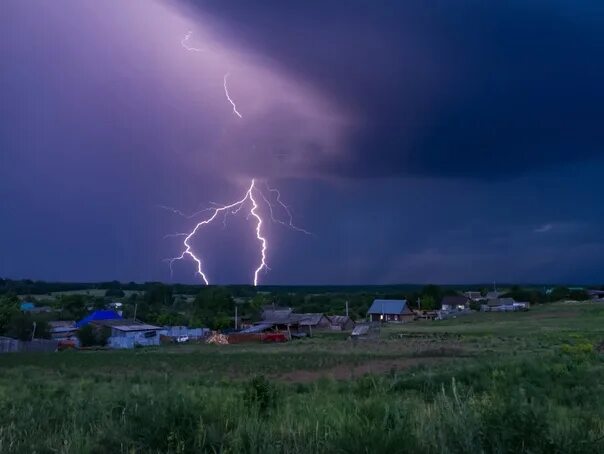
(496,382)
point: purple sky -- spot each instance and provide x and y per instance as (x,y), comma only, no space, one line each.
(425,142)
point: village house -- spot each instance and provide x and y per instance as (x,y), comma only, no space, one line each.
(129,333)
(309,322)
(284,319)
(396,311)
(455,303)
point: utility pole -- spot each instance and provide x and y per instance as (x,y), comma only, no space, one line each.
(419,304)
(346,308)
(33,333)
(135,307)
(235,316)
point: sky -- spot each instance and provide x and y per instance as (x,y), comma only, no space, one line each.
(419,141)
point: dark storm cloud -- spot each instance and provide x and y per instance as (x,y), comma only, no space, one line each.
(446,88)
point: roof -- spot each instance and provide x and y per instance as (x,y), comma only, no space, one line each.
(454,300)
(501,302)
(63,329)
(136,327)
(388,307)
(99,315)
(278,315)
(307,319)
(473,295)
(338,319)
(257,328)
(126,325)
(493,295)
(360,330)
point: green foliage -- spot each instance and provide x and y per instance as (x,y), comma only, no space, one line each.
(90,336)
(428,303)
(475,305)
(22,325)
(260,394)
(73,307)
(87,336)
(9,307)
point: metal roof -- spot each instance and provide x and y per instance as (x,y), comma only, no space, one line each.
(501,302)
(278,315)
(308,319)
(338,319)
(388,307)
(136,327)
(360,330)
(257,328)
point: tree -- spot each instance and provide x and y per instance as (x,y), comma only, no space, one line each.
(87,336)
(578,295)
(22,325)
(428,303)
(72,306)
(9,307)
(90,336)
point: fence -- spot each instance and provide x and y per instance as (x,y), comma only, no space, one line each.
(9,345)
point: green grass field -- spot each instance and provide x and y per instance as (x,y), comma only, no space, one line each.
(498,382)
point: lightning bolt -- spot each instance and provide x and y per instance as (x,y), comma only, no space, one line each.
(226,92)
(290,222)
(184,44)
(251,194)
(232,208)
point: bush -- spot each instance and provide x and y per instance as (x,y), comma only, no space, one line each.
(260,394)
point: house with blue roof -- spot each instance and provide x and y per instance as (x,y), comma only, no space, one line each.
(394,311)
(27,306)
(97,316)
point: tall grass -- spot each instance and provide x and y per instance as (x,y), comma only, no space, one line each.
(553,404)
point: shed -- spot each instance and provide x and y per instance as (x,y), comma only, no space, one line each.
(341,322)
(137,333)
(396,311)
(309,322)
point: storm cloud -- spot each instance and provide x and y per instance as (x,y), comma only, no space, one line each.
(463,88)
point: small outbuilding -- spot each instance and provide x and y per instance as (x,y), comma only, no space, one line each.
(129,333)
(341,322)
